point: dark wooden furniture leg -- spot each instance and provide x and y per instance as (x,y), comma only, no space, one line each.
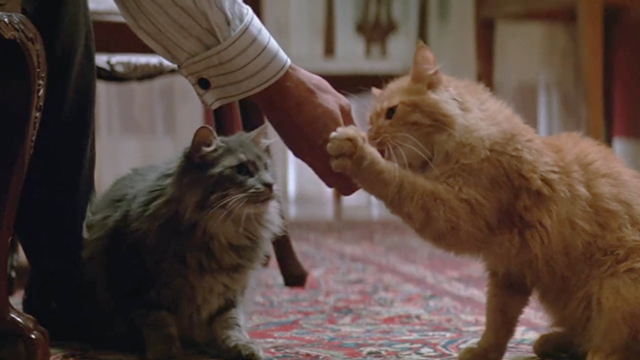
(485,36)
(22,80)
(229,120)
(590,19)
(293,273)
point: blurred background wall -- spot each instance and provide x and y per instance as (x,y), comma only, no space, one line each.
(537,57)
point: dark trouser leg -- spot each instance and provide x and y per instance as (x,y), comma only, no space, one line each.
(60,177)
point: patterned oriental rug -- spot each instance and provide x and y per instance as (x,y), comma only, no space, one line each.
(375,292)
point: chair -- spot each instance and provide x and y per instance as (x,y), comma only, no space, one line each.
(22,90)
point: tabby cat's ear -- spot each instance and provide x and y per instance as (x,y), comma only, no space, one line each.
(376,92)
(259,136)
(425,67)
(203,140)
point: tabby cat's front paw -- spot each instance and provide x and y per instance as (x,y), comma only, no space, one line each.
(237,350)
(248,350)
(348,149)
(479,353)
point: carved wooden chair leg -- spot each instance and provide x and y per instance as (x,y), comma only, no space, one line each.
(293,273)
(291,269)
(337,205)
(22,84)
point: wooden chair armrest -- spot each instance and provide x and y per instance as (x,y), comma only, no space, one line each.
(22,87)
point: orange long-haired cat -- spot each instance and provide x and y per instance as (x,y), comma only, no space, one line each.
(558,216)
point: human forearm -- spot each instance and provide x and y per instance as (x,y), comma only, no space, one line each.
(304,109)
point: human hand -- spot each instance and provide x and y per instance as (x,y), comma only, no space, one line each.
(304,109)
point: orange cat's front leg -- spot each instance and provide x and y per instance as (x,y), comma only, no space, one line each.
(507,297)
(452,218)
(352,155)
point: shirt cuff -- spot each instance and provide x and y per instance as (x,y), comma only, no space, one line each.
(244,64)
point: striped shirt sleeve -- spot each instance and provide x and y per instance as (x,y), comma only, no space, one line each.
(220,46)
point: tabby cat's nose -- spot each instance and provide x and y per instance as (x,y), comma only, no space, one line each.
(268,186)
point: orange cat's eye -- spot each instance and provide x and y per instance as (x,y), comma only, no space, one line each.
(390,112)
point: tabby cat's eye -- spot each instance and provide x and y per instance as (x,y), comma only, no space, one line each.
(390,112)
(243,170)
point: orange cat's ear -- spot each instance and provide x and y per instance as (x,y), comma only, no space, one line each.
(375,91)
(425,67)
(204,139)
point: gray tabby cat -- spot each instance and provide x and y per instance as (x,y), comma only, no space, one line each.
(169,249)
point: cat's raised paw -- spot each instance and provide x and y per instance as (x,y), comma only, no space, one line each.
(478,353)
(345,141)
(346,147)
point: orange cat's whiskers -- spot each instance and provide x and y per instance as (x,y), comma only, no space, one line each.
(384,151)
(375,142)
(406,162)
(416,141)
(398,142)
(381,145)
(424,156)
(445,127)
(395,159)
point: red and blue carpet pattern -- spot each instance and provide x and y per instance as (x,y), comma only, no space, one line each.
(375,292)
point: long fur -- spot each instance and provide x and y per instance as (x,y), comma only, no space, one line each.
(170,249)
(556,216)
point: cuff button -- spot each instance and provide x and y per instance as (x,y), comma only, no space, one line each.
(204,83)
